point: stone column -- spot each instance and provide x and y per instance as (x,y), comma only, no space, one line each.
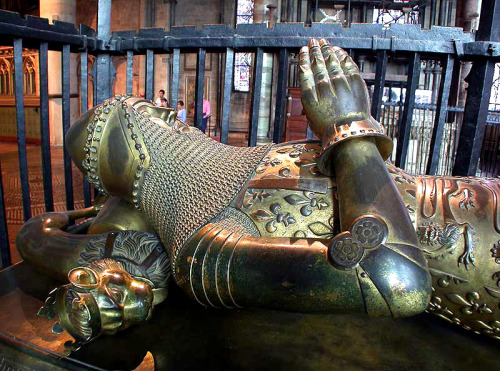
(265,99)
(261,15)
(161,18)
(60,10)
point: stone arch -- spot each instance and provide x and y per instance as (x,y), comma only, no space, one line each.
(29,75)
(5,77)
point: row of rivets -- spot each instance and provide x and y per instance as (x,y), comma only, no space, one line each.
(142,155)
(94,129)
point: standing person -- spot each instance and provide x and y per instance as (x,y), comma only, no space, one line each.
(181,112)
(161,95)
(164,102)
(206,114)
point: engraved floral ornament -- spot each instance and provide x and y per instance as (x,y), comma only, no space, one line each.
(470,303)
(273,217)
(309,202)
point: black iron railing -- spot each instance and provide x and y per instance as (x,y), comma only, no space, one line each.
(408,42)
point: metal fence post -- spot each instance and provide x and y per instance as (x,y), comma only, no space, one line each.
(103,80)
(478,94)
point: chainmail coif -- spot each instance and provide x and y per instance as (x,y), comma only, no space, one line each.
(190,180)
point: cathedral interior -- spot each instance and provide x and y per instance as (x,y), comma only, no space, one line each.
(350,221)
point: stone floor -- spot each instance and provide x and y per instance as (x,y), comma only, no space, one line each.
(12,186)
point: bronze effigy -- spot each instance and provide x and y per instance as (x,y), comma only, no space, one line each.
(302,226)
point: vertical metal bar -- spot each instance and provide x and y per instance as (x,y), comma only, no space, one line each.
(220,90)
(171,18)
(226,100)
(291,5)
(257,85)
(433,12)
(478,94)
(308,12)
(84,88)
(364,13)
(4,233)
(174,84)
(279,115)
(103,78)
(130,71)
(442,12)
(84,106)
(440,117)
(405,126)
(299,10)
(451,5)
(315,11)
(65,83)
(421,15)
(44,127)
(21,129)
(489,21)
(474,119)
(348,16)
(283,11)
(104,19)
(150,71)
(199,87)
(378,91)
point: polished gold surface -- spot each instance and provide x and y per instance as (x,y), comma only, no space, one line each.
(336,101)
(267,226)
(101,299)
(457,222)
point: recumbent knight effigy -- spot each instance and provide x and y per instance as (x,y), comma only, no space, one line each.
(302,226)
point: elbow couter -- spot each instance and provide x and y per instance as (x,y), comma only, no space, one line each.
(393,284)
(393,277)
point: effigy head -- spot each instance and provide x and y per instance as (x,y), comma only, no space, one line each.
(119,278)
(101,299)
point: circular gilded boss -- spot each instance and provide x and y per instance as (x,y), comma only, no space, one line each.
(370,231)
(345,251)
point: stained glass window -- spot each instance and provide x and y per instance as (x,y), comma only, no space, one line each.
(243,61)
(495,90)
(244,11)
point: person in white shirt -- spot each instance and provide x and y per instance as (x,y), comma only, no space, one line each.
(181,112)
(161,96)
